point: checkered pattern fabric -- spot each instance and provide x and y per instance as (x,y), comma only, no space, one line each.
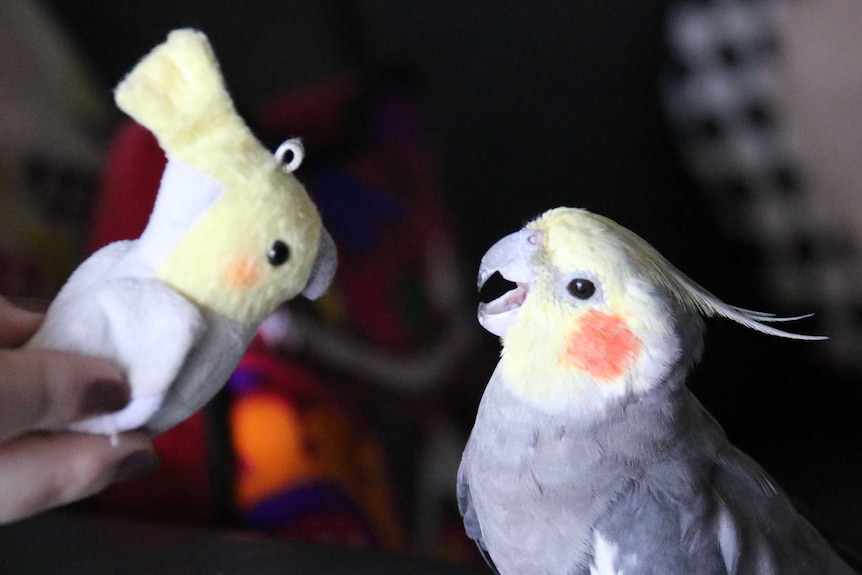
(732,91)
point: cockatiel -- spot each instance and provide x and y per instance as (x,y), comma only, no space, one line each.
(232,235)
(589,456)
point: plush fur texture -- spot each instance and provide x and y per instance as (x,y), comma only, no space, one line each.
(233,234)
(177,92)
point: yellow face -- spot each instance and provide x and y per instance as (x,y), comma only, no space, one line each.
(590,326)
(254,247)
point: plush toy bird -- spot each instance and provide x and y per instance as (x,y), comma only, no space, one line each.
(589,456)
(232,235)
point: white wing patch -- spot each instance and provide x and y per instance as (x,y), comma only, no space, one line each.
(728,539)
(605,556)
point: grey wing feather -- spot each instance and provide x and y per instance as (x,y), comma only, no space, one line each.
(471,522)
(712,510)
(763,529)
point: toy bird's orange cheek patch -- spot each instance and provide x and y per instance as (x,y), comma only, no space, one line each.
(602,345)
(242,273)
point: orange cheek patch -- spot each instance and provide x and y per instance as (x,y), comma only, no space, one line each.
(242,273)
(602,345)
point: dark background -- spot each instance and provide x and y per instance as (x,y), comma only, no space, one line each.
(532,106)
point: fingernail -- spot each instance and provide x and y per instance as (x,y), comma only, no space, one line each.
(30,304)
(135,465)
(104,397)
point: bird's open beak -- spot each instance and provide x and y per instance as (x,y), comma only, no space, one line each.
(510,257)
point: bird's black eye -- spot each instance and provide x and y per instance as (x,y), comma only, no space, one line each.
(582,288)
(278,253)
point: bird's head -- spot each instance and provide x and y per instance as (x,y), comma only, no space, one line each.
(259,242)
(233,229)
(596,313)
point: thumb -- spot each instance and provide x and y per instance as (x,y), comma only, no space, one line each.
(44,389)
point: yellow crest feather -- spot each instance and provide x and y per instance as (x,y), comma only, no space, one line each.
(686,291)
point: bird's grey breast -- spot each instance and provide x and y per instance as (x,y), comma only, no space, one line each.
(538,483)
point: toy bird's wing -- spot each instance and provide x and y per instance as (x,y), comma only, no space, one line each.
(73,312)
(471,522)
(139,324)
(152,331)
(94,271)
(207,367)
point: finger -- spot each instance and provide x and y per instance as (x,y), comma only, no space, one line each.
(44,470)
(31,304)
(45,389)
(16,324)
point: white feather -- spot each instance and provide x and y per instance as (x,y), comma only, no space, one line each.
(605,555)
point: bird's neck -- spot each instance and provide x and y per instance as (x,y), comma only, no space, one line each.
(536,363)
(533,373)
(638,427)
(538,369)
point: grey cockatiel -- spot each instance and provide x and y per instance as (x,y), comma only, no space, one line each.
(589,456)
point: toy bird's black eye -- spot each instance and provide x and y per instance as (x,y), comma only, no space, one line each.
(581,288)
(278,253)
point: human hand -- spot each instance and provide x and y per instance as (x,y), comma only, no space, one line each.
(40,391)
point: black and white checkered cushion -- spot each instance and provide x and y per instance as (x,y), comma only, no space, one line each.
(766,97)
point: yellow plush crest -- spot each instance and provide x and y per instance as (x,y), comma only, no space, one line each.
(224,260)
